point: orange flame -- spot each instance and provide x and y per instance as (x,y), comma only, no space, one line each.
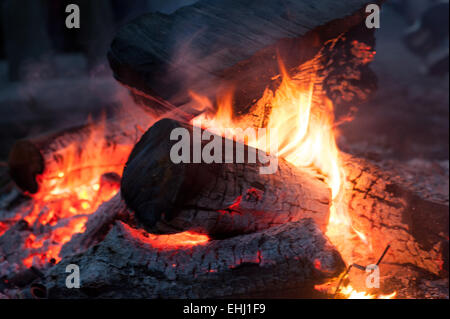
(304,129)
(350,293)
(71,189)
(172,241)
(302,122)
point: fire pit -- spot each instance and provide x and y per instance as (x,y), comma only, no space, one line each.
(285,214)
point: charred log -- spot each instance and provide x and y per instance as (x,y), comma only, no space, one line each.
(292,256)
(220,199)
(193,56)
(390,211)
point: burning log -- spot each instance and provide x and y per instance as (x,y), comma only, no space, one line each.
(383,209)
(206,61)
(41,245)
(289,257)
(390,211)
(76,150)
(223,228)
(220,199)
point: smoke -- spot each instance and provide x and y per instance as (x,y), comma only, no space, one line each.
(168,6)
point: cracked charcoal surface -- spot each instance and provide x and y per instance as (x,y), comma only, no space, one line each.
(123,265)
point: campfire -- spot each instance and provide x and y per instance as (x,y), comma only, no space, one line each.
(302,120)
(106,196)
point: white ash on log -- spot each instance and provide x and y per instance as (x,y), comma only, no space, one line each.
(211,45)
(382,206)
(15,244)
(98,226)
(221,198)
(47,154)
(130,263)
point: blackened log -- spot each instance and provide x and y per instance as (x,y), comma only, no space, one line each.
(212,45)
(219,199)
(293,256)
(25,277)
(32,157)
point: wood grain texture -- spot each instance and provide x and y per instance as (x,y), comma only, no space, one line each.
(390,211)
(215,44)
(220,199)
(126,264)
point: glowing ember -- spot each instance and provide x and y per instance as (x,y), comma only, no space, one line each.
(85,176)
(173,241)
(3,228)
(71,189)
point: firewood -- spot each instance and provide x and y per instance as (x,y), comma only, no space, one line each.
(219,199)
(387,210)
(390,211)
(32,157)
(193,56)
(293,256)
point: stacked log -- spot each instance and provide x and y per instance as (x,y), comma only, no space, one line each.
(210,46)
(294,256)
(222,198)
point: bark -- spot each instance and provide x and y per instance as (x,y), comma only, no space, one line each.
(390,210)
(45,154)
(220,199)
(208,47)
(132,264)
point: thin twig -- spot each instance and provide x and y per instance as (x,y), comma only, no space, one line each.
(362,268)
(340,280)
(384,253)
